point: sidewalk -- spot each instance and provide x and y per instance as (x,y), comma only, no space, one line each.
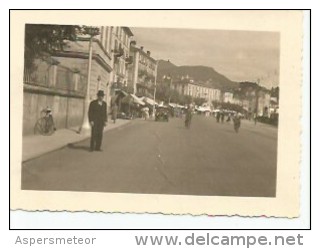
(37,145)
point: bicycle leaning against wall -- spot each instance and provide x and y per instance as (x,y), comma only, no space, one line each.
(45,124)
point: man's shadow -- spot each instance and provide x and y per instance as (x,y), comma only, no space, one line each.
(78,147)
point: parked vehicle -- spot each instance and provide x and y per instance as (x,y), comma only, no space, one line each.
(122,115)
(162,114)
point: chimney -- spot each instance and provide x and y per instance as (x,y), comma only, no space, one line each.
(148,53)
(141,48)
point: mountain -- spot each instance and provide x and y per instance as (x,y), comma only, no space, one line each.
(202,74)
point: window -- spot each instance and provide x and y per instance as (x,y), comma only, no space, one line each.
(102,35)
(128,41)
(121,66)
(117,31)
(110,38)
(107,39)
(125,37)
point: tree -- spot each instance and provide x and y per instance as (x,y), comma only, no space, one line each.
(185,100)
(275,92)
(199,101)
(163,92)
(43,39)
(216,104)
(174,96)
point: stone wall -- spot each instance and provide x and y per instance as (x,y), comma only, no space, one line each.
(60,81)
(66,110)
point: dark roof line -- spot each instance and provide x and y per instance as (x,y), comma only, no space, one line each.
(128,31)
(143,52)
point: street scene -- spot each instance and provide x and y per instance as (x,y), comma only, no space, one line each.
(150,111)
(165,158)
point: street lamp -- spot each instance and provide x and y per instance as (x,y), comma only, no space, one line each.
(91,31)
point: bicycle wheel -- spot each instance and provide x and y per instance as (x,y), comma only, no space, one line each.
(48,128)
(39,126)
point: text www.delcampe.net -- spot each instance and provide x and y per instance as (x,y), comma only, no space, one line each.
(208,239)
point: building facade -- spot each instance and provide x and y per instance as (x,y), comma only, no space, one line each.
(197,90)
(76,55)
(109,59)
(264,102)
(142,72)
(254,98)
(60,80)
(120,47)
(228,97)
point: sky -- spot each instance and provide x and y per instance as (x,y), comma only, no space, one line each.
(239,55)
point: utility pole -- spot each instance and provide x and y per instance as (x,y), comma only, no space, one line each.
(85,120)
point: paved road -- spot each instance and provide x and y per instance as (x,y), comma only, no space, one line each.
(165,158)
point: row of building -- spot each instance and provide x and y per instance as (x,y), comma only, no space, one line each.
(118,63)
(59,80)
(250,96)
(189,87)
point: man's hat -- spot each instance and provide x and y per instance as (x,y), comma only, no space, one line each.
(100,93)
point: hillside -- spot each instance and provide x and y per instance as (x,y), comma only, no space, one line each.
(198,73)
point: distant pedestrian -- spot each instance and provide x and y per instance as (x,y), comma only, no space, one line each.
(188,117)
(229,118)
(98,120)
(236,122)
(145,113)
(222,116)
(114,111)
(218,116)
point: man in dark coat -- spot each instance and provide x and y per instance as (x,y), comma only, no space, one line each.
(98,119)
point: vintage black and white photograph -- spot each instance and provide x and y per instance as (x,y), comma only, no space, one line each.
(167,111)
(171,111)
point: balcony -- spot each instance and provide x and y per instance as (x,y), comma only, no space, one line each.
(118,52)
(129,60)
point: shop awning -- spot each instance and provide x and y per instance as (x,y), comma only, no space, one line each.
(137,100)
(149,101)
(131,98)
(203,109)
(174,105)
